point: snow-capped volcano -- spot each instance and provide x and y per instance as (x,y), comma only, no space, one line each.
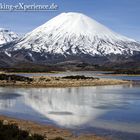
(74,34)
(7,36)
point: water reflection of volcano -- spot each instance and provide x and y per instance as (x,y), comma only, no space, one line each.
(87,109)
(72,106)
(7,100)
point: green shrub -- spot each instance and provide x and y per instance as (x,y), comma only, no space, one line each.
(78,77)
(14,78)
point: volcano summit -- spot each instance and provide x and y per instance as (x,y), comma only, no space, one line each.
(72,36)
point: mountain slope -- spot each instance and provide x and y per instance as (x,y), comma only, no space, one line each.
(7,36)
(72,36)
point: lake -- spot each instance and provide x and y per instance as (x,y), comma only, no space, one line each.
(112,111)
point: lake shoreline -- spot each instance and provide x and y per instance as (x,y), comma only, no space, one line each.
(48,131)
(47,81)
(111,73)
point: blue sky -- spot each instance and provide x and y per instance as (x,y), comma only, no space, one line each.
(122,16)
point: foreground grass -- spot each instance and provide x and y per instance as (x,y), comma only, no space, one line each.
(12,132)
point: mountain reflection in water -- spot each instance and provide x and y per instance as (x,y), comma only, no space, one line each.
(105,107)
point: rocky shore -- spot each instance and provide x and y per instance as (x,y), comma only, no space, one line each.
(47,131)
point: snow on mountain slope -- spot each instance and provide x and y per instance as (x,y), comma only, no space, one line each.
(7,36)
(76,34)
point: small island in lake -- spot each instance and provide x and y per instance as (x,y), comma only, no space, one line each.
(47,81)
